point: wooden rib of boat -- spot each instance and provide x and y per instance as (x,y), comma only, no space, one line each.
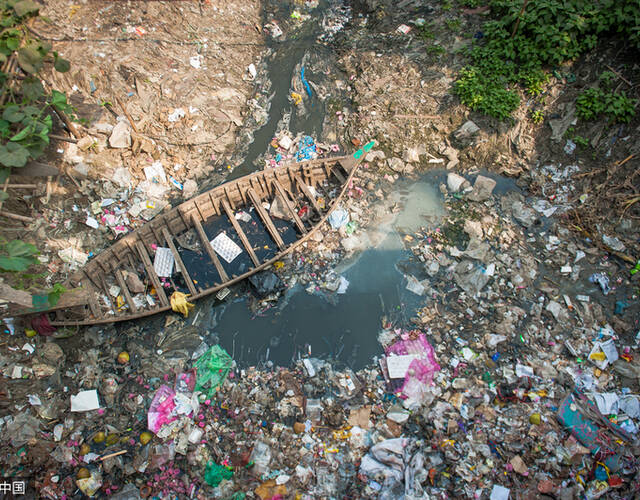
(108,289)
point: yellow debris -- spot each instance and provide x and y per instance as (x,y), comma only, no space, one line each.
(179,303)
(297,98)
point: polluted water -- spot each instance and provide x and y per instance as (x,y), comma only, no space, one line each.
(342,327)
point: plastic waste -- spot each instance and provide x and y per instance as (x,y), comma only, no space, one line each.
(307,87)
(161,409)
(602,280)
(261,457)
(179,303)
(214,474)
(266,283)
(338,218)
(212,369)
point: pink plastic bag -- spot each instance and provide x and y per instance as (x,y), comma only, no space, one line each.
(161,408)
(421,370)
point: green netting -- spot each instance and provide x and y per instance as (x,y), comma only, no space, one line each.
(212,368)
(214,473)
(238,495)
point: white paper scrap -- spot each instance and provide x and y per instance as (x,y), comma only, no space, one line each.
(607,402)
(499,493)
(609,350)
(91,222)
(85,401)
(310,369)
(225,247)
(398,365)
(34,400)
(524,371)
(155,171)
(163,262)
(630,405)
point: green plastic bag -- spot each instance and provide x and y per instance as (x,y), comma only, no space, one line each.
(214,474)
(212,369)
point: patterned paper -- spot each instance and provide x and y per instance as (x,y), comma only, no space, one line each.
(163,262)
(225,247)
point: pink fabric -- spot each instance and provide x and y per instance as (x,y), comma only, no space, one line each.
(161,408)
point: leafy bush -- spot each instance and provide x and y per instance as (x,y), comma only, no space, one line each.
(484,95)
(25,121)
(517,45)
(616,106)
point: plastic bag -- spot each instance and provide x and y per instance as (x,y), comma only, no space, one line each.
(214,474)
(212,369)
(338,218)
(265,283)
(421,370)
(161,409)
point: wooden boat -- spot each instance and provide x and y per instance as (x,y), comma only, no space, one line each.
(108,288)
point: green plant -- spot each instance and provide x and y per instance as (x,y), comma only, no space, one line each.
(435,50)
(453,24)
(615,106)
(17,255)
(537,116)
(25,112)
(447,5)
(484,94)
(55,293)
(425,32)
(581,141)
(472,4)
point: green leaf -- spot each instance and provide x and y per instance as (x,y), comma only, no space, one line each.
(3,58)
(4,174)
(12,113)
(13,155)
(55,294)
(22,134)
(61,65)
(30,59)
(19,248)
(16,263)
(58,99)
(26,7)
(4,128)
(30,111)
(4,195)
(32,89)
(12,43)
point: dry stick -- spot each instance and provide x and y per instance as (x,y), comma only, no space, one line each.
(111,455)
(22,186)
(126,113)
(70,126)
(6,68)
(22,218)
(62,138)
(515,28)
(620,76)
(65,119)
